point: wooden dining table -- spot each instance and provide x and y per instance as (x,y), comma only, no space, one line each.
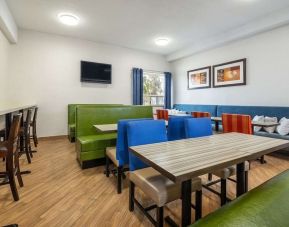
(8,110)
(182,160)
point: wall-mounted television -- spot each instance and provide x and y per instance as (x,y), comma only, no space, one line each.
(95,72)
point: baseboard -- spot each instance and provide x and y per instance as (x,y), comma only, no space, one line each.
(51,137)
(92,163)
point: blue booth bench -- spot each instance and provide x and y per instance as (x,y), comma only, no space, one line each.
(218,110)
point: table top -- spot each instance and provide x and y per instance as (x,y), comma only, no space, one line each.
(216,118)
(110,127)
(106,127)
(185,159)
(10,109)
(264,124)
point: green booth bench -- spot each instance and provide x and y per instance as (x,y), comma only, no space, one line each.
(71,117)
(266,206)
(90,143)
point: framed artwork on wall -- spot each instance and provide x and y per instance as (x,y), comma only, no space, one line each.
(230,73)
(199,78)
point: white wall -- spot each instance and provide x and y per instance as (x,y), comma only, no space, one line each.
(267,72)
(45,69)
(4,45)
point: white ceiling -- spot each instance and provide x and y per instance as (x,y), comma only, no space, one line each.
(136,23)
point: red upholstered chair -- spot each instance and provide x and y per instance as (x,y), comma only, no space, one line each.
(163,114)
(201,114)
(237,123)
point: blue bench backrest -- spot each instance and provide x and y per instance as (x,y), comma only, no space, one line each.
(212,109)
(270,111)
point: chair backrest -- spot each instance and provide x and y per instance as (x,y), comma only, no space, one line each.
(198,127)
(176,127)
(237,123)
(201,114)
(144,132)
(13,136)
(122,154)
(28,122)
(163,115)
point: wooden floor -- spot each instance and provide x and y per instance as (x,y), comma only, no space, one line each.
(59,193)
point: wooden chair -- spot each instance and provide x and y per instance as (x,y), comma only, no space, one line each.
(201,114)
(33,126)
(9,151)
(2,135)
(25,145)
(237,123)
(163,115)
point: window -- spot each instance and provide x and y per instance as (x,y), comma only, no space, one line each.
(153,88)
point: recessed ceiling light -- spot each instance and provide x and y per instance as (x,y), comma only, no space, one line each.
(68,19)
(162,41)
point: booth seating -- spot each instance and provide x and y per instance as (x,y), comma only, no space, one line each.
(71,117)
(218,110)
(90,143)
(266,205)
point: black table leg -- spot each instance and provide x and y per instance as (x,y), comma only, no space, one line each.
(241,189)
(217,126)
(7,124)
(186,202)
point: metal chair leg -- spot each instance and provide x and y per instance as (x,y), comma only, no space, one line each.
(131,196)
(119,176)
(223,192)
(107,171)
(198,209)
(160,217)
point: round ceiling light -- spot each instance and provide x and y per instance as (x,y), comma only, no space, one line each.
(162,41)
(68,19)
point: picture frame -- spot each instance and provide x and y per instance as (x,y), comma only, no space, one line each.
(231,73)
(199,78)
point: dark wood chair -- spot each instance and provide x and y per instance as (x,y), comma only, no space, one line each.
(24,133)
(9,151)
(33,126)
(2,134)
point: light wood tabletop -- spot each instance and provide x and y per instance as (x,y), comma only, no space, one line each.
(110,127)
(10,109)
(106,127)
(184,159)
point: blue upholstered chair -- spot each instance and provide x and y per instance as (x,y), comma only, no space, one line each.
(199,127)
(158,187)
(176,127)
(140,133)
(119,155)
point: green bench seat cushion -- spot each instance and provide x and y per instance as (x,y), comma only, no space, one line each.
(266,206)
(96,142)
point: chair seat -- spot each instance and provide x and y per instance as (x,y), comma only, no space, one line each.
(111,153)
(230,171)
(158,187)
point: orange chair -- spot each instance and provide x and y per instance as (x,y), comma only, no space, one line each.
(163,114)
(201,114)
(237,123)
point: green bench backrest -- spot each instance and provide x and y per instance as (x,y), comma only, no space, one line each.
(72,110)
(86,117)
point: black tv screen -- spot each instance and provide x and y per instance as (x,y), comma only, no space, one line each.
(95,72)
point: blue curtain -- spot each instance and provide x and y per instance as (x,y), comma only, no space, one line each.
(137,77)
(168,88)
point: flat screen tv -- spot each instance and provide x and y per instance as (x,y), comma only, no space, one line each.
(95,72)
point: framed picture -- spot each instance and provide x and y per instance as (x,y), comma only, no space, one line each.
(199,78)
(230,73)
